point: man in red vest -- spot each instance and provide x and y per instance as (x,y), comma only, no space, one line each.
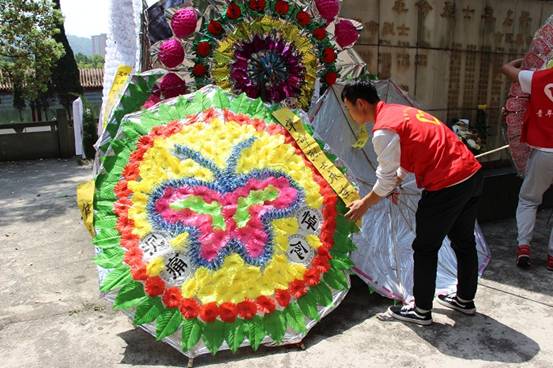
(406,140)
(537,131)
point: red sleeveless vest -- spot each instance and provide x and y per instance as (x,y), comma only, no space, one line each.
(537,130)
(429,149)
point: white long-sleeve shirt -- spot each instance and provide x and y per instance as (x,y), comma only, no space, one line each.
(388,150)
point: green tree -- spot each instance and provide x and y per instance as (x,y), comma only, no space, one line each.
(28,49)
(86,62)
(65,76)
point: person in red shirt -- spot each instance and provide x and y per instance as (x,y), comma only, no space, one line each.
(537,132)
(406,140)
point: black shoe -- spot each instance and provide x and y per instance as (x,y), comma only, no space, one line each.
(452,302)
(410,314)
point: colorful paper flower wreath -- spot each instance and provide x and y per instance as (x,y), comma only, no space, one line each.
(274,50)
(213,222)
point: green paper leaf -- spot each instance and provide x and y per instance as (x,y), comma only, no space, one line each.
(129,296)
(240,104)
(308,306)
(148,311)
(220,100)
(336,279)
(235,334)
(191,333)
(275,325)
(198,104)
(322,294)
(168,322)
(165,113)
(142,85)
(256,332)
(214,335)
(294,318)
(116,278)
(107,262)
(341,263)
(182,106)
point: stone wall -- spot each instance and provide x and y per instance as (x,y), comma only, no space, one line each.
(447,54)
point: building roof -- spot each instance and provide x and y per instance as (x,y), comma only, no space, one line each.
(91,78)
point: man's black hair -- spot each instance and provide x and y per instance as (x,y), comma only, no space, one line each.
(360,90)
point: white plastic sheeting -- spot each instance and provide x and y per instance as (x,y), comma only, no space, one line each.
(384,258)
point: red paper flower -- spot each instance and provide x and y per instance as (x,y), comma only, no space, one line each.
(312,277)
(172,297)
(297,288)
(329,55)
(189,308)
(151,101)
(321,263)
(121,189)
(209,312)
(319,33)
(203,49)
(199,70)
(324,253)
(303,18)
(215,28)
(283,298)
(247,309)
(139,274)
(133,257)
(154,286)
(172,85)
(257,5)
(131,171)
(282,7)
(330,78)
(233,11)
(265,304)
(171,53)
(228,312)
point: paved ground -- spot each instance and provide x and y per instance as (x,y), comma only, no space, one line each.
(51,316)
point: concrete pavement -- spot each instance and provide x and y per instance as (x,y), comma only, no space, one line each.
(51,315)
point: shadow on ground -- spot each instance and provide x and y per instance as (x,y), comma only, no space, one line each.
(31,191)
(478,337)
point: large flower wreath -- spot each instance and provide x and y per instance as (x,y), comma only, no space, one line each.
(274,50)
(271,49)
(211,221)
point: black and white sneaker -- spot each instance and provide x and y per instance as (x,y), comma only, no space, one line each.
(453,302)
(408,313)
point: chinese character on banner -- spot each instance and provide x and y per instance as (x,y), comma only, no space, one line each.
(299,250)
(310,220)
(290,125)
(153,243)
(539,113)
(549,113)
(177,267)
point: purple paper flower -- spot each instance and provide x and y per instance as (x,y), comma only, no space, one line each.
(267,67)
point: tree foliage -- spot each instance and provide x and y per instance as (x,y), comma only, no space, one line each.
(28,49)
(85,62)
(65,75)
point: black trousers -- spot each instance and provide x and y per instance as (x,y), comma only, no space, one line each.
(452,212)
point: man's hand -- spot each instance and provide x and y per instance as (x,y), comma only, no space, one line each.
(399,180)
(360,207)
(357,210)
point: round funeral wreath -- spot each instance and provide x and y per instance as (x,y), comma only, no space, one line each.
(213,223)
(274,50)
